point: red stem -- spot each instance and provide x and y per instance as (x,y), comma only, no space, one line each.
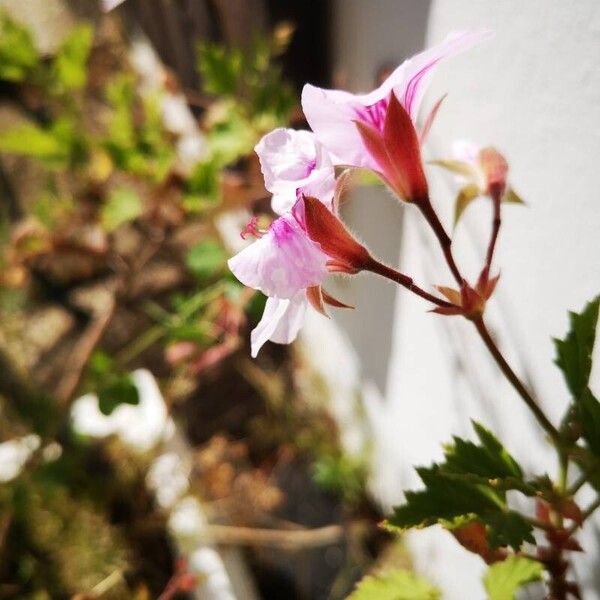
(404,280)
(496,194)
(444,239)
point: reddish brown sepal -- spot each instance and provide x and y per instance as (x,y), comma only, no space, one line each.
(346,254)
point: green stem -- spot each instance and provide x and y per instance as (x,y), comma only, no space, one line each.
(141,343)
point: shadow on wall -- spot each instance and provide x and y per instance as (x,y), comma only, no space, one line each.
(366,42)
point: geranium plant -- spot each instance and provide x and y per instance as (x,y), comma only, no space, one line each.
(292,258)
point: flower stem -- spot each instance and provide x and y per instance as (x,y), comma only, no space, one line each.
(496,222)
(404,280)
(444,239)
(516,383)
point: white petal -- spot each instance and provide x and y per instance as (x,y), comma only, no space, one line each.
(286,157)
(280,322)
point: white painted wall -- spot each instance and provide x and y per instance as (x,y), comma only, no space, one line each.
(534,92)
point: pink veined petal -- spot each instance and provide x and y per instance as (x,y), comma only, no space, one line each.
(331,115)
(418,68)
(280,322)
(282,262)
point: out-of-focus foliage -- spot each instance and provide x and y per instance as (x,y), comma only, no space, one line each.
(395,585)
(504,579)
(112,259)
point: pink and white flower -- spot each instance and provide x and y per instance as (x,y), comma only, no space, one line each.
(332,114)
(283,261)
(294,162)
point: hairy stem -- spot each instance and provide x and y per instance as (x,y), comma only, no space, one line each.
(444,239)
(405,281)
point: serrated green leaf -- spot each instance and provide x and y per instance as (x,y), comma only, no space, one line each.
(205,259)
(123,205)
(70,63)
(394,585)
(465,196)
(470,485)
(574,352)
(588,409)
(503,579)
(490,459)
(507,528)
(511,197)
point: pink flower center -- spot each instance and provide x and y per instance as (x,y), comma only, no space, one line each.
(282,230)
(374,115)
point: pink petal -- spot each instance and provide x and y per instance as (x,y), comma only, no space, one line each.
(280,322)
(282,262)
(331,115)
(410,91)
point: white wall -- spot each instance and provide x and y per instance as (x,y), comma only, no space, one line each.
(534,92)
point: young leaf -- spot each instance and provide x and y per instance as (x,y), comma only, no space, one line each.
(205,259)
(465,196)
(503,579)
(574,353)
(123,205)
(394,585)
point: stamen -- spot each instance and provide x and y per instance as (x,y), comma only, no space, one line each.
(251,229)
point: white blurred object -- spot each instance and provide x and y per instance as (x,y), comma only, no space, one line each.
(168,477)
(14,455)
(141,426)
(176,115)
(108,5)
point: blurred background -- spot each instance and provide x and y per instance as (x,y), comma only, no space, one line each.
(143,454)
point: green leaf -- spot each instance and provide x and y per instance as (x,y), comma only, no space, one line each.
(30,140)
(112,385)
(465,196)
(511,197)
(206,259)
(574,353)
(18,55)
(70,63)
(123,205)
(394,585)
(490,459)
(119,390)
(470,485)
(504,579)
(588,410)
